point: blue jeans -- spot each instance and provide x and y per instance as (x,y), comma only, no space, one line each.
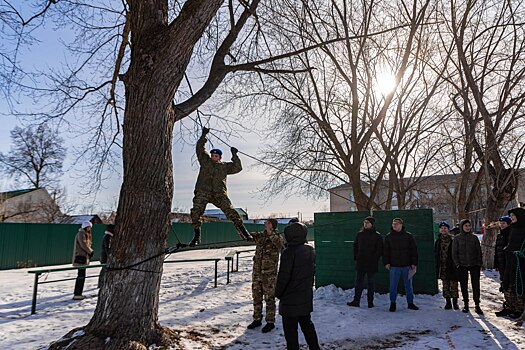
(395,274)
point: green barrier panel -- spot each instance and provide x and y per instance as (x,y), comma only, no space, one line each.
(334,239)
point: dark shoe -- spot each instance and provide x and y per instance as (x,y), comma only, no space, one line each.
(504,312)
(478,310)
(412,306)
(79,297)
(465,308)
(455,303)
(515,314)
(448,304)
(196,237)
(370,304)
(353,303)
(267,327)
(254,324)
(392,307)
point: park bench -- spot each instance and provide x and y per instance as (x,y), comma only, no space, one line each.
(42,271)
(239,252)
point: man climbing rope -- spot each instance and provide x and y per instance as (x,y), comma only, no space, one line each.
(211,188)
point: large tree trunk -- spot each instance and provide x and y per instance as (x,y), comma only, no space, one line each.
(127,307)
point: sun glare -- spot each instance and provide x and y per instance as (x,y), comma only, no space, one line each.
(385,83)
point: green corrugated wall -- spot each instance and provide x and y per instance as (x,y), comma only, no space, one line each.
(28,245)
(334,238)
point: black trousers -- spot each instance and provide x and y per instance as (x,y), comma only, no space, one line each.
(291,335)
(359,285)
(463,272)
(79,283)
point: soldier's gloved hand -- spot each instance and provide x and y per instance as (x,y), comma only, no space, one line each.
(205,131)
(234,150)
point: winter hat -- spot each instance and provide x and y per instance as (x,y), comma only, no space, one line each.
(506,219)
(520,215)
(292,220)
(399,220)
(86,224)
(462,223)
(444,223)
(216,151)
(371,220)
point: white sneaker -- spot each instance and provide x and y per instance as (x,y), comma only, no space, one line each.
(79,297)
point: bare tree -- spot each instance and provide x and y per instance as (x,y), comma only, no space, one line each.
(36,156)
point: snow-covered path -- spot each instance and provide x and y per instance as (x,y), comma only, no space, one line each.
(216,318)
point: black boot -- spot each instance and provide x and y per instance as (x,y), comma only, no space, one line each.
(370,304)
(412,306)
(392,307)
(455,303)
(478,310)
(465,308)
(448,304)
(504,312)
(267,327)
(196,237)
(353,303)
(243,232)
(254,324)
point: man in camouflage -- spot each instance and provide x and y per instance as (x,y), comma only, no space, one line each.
(211,187)
(268,247)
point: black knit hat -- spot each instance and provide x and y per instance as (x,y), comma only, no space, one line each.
(371,220)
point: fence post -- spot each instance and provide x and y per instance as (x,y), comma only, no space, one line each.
(216,263)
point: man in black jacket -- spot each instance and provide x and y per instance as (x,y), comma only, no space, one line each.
(466,253)
(400,258)
(294,287)
(368,248)
(499,257)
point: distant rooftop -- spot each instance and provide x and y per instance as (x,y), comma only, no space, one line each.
(11,194)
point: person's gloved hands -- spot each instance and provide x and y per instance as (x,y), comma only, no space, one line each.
(234,150)
(205,131)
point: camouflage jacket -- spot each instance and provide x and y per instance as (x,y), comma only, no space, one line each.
(267,250)
(212,175)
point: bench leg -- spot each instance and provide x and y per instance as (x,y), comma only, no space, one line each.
(228,272)
(237,267)
(35,289)
(216,263)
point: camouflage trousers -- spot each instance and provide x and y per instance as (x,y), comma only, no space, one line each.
(513,302)
(220,200)
(263,286)
(450,289)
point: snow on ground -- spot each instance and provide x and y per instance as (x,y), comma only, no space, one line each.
(216,318)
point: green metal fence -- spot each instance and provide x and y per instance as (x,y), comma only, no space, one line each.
(30,245)
(334,238)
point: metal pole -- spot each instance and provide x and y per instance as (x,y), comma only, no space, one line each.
(35,289)
(216,263)
(237,268)
(228,272)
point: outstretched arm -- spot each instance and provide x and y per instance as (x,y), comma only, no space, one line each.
(235,166)
(202,154)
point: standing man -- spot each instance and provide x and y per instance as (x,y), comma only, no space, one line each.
(106,247)
(211,188)
(466,253)
(400,257)
(499,257)
(82,252)
(514,278)
(445,268)
(294,287)
(368,248)
(268,246)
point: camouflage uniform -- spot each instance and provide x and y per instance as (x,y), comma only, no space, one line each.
(264,274)
(211,186)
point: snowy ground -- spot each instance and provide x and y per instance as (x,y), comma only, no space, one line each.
(209,318)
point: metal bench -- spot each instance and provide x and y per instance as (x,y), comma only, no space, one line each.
(239,252)
(42,271)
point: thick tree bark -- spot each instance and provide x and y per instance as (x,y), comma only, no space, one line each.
(127,308)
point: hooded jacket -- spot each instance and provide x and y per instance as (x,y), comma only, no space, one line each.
(516,243)
(466,250)
(296,273)
(499,256)
(400,249)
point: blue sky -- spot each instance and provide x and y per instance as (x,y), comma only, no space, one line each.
(243,187)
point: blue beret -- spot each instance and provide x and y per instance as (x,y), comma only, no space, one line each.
(216,151)
(444,223)
(506,218)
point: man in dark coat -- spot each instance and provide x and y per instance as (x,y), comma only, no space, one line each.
(445,268)
(499,256)
(400,258)
(106,247)
(466,253)
(514,279)
(211,188)
(368,248)
(294,287)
